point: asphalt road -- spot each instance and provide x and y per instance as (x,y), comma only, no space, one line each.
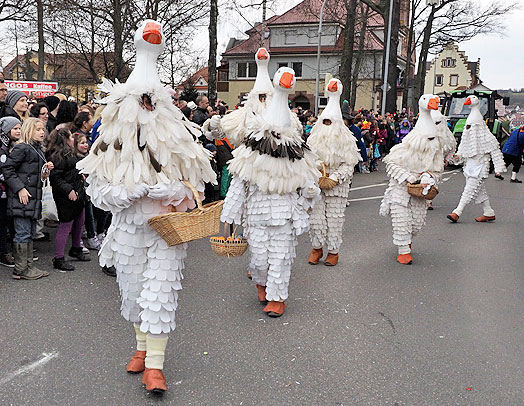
(446,330)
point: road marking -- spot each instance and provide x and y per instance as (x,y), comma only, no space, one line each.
(368,186)
(365,198)
(28,368)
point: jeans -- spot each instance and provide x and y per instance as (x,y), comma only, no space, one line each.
(25,229)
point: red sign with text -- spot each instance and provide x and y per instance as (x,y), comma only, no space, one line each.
(36,89)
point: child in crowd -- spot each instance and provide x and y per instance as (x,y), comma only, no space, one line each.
(69,195)
(10,132)
(24,171)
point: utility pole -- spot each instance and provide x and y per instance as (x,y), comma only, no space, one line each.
(386,62)
(317,79)
(212,62)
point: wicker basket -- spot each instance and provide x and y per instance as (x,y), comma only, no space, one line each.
(415,189)
(231,247)
(178,227)
(325,182)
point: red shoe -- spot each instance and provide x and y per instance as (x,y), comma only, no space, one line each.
(275,309)
(453,217)
(405,259)
(484,219)
(314,256)
(154,380)
(331,260)
(137,363)
(262,294)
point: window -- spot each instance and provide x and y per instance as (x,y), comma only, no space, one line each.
(313,36)
(252,71)
(449,63)
(282,65)
(222,76)
(290,37)
(439,80)
(297,67)
(242,69)
(453,80)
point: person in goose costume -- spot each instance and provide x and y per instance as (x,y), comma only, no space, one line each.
(336,147)
(418,158)
(477,146)
(233,125)
(145,149)
(273,186)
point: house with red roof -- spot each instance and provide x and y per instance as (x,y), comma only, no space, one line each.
(292,40)
(199,80)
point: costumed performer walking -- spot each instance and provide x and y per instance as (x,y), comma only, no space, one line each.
(418,158)
(337,149)
(273,186)
(146,147)
(477,147)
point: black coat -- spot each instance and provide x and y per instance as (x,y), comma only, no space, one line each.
(65,178)
(23,170)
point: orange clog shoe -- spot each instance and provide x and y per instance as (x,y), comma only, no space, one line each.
(331,260)
(275,309)
(484,219)
(154,380)
(453,217)
(261,294)
(405,259)
(314,256)
(137,363)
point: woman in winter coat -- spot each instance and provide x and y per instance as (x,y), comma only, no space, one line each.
(69,195)
(10,132)
(24,171)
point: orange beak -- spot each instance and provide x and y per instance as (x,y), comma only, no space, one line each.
(467,102)
(433,103)
(332,87)
(262,54)
(286,81)
(152,34)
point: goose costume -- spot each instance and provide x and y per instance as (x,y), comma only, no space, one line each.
(418,158)
(448,141)
(233,125)
(145,149)
(336,147)
(273,186)
(477,146)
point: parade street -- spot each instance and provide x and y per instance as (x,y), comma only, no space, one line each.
(446,330)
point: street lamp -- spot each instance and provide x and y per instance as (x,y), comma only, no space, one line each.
(317,79)
(386,62)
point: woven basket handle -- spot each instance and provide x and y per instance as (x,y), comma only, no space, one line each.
(323,169)
(196,195)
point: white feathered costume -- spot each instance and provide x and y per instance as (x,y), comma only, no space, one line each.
(273,186)
(448,141)
(145,149)
(336,148)
(419,157)
(477,146)
(233,125)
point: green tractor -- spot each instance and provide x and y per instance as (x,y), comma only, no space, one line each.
(453,107)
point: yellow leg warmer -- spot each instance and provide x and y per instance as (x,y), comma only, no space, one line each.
(140,338)
(156,349)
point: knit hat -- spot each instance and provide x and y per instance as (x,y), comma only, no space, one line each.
(6,125)
(13,96)
(51,102)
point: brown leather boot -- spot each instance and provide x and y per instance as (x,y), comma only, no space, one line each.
(405,259)
(331,260)
(137,363)
(315,256)
(275,309)
(484,219)
(261,294)
(154,380)
(453,217)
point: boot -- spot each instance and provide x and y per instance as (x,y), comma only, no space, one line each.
(261,294)
(314,256)
(331,259)
(76,252)
(32,271)
(20,251)
(109,270)
(275,309)
(62,264)
(137,363)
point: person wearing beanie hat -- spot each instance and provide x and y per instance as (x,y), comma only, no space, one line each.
(17,100)
(52,103)
(10,132)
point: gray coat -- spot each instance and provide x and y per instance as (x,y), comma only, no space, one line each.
(23,170)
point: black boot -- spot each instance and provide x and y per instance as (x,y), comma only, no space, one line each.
(76,252)
(62,264)
(109,270)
